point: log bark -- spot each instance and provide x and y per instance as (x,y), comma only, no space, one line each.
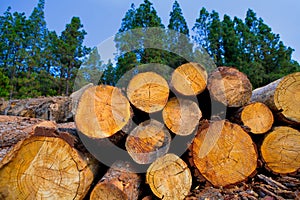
(148,92)
(75,97)
(256,117)
(281,150)
(148,141)
(229,86)
(169,177)
(102,111)
(120,182)
(224,153)
(282,96)
(57,109)
(14,129)
(189,79)
(46,165)
(181,116)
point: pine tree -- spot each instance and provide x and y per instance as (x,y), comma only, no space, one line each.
(249,45)
(71,51)
(230,42)
(179,44)
(109,74)
(201,28)
(125,64)
(36,39)
(5,87)
(146,16)
(135,43)
(36,59)
(128,22)
(215,39)
(90,71)
(177,21)
(13,49)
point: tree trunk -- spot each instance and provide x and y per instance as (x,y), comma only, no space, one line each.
(181,116)
(75,96)
(281,149)
(224,153)
(169,178)
(14,129)
(148,92)
(57,109)
(120,182)
(229,86)
(102,111)
(189,79)
(148,141)
(256,117)
(46,165)
(282,96)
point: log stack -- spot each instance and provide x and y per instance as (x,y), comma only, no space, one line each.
(251,152)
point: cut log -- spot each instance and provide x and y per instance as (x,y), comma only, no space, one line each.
(281,150)
(282,96)
(229,86)
(181,116)
(43,167)
(256,117)
(189,79)
(148,92)
(224,153)
(56,109)
(102,111)
(75,97)
(120,183)
(148,141)
(169,178)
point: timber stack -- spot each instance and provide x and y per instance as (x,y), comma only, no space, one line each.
(250,152)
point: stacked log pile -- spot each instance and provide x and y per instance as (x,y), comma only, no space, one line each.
(248,150)
(57,109)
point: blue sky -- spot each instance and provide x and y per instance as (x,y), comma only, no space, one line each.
(102,18)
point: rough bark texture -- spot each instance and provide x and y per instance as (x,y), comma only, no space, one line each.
(148,92)
(102,111)
(178,112)
(169,177)
(256,117)
(75,96)
(281,150)
(148,141)
(46,165)
(119,183)
(189,79)
(224,153)
(14,129)
(229,86)
(282,96)
(57,109)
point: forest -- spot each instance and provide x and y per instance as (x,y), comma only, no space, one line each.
(35,61)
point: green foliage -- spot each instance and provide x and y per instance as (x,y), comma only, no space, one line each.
(28,86)
(37,62)
(178,42)
(177,21)
(135,43)
(71,51)
(109,74)
(5,87)
(249,45)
